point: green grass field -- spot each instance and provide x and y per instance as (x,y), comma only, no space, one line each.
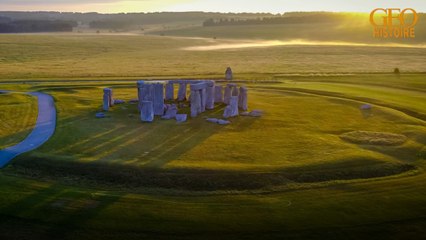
(292,173)
(17,117)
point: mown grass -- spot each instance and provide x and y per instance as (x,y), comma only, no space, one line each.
(18,115)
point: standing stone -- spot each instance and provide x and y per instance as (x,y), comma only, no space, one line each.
(111,98)
(228,74)
(203,93)
(170,91)
(235,91)
(218,94)
(228,93)
(182,92)
(140,85)
(210,95)
(158,102)
(242,99)
(195,103)
(106,99)
(232,109)
(147,111)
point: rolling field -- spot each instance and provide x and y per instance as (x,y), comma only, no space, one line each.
(314,166)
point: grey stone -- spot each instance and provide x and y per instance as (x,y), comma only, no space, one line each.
(228,74)
(198,86)
(235,91)
(107,99)
(100,115)
(223,122)
(232,109)
(256,113)
(119,101)
(147,111)
(366,107)
(181,117)
(212,120)
(210,96)
(195,103)
(170,92)
(218,94)
(158,99)
(242,99)
(203,94)
(171,112)
(182,92)
(227,95)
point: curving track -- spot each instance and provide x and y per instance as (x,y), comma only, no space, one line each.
(43,130)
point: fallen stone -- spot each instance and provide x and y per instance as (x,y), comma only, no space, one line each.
(256,113)
(170,112)
(223,122)
(119,101)
(366,107)
(181,117)
(212,120)
(100,115)
(133,101)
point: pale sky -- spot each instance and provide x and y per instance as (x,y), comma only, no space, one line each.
(273,6)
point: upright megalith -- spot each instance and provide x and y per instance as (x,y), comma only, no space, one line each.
(203,93)
(235,91)
(242,99)
(228,92)
(210,95)
(198,98)
(228,74)
(195,103)
(158,102)
(232,109)
(170,92)
(182,91)
(107,99)
(147,111)
(218,94)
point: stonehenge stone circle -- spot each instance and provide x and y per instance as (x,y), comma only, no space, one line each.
(203,96)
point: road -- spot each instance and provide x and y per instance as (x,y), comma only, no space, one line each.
(43,130)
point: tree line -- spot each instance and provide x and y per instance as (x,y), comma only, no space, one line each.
(32,26)
(309,18)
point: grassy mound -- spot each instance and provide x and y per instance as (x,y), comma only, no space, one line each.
(374,138)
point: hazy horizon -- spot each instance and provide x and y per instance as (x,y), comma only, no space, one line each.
(223,6)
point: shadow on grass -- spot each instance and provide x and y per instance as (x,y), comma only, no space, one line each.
(133,177)
(61,212)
